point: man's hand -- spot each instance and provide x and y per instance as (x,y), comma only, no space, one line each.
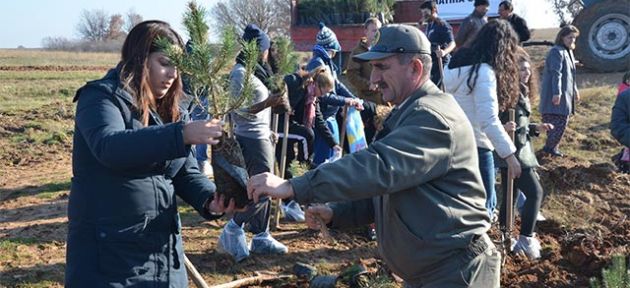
(269,185)
(317,215)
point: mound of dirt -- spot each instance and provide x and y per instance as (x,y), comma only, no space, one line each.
(573,255)
(57,68)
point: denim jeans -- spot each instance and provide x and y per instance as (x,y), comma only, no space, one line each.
(258,156)
(200,113)
(488,176)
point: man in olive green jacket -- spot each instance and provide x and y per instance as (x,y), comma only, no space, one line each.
(419,180)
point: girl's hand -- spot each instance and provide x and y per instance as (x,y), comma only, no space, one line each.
(203,132)
(544,127)
(514,167)
(217,206)
(509,126)
(555,100)
(356,103)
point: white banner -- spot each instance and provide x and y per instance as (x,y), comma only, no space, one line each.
(460,9)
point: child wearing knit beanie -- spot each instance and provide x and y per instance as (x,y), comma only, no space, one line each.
(327,39)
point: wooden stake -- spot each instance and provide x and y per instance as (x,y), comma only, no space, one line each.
(254,280)
(509,201)
(342,134)
(275,223)
(194,274)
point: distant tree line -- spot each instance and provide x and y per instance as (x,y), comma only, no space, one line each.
(102,32)
(272,16)
(98,31)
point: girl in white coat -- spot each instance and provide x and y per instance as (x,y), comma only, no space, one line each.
(484,81)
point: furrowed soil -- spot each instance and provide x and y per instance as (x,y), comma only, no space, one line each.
(587,202)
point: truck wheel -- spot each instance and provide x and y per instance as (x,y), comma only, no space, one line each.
(604,41)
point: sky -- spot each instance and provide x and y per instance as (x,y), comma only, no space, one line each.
(27,22)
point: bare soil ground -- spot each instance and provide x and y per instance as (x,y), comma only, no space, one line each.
(587,207)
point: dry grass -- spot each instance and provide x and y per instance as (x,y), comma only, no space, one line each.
(29,57)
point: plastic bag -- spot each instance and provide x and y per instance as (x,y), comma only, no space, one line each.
(355,132)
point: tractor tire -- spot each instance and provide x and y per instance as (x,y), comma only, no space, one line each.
(604,41)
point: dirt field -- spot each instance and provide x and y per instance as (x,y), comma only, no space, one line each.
(587,203)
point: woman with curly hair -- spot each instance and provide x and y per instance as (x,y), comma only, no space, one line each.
(529,182)
(484,81)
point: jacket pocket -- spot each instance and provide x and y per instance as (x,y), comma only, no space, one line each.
(402,248)
(127,253)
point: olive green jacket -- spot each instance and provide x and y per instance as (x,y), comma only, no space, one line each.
(358,74)
(523,134)
(419,181)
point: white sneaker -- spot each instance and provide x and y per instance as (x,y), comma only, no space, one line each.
(263,243)
(206,168)
(293,212)
(530,246)
(232,241)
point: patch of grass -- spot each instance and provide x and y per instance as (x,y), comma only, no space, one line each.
(34,276)
(46,131)
(571,212)
(31,57)
(53,190)
(617,276)
(12,248)
(382,281)
(11,243)
(298,169)
(27,90)
(591,140)
(41,284)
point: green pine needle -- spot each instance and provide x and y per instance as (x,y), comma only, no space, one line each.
(205,66)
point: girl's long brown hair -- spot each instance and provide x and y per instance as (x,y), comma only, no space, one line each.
(134,74)
(496,45)
(532,84)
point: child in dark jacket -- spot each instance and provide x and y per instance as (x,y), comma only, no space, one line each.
(620,124)
(299,131)
(625,83)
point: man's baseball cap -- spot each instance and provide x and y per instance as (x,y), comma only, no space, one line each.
(396,39)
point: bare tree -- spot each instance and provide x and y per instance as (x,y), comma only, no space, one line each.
(93,25)
(57,43)
(131,20)
(566,10)
(272,16)
(115,28)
